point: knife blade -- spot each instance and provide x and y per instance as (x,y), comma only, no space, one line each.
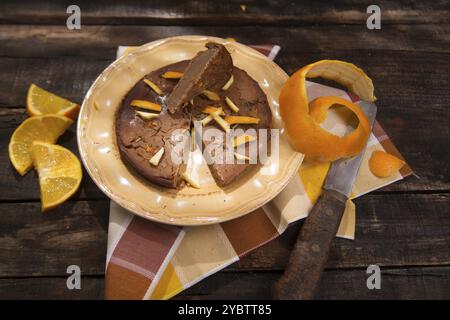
(310,253)
(342,172)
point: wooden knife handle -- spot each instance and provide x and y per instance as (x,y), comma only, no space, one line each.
(303,271)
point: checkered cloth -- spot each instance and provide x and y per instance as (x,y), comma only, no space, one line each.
(149,260)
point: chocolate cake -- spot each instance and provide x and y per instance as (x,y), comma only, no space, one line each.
(183,101)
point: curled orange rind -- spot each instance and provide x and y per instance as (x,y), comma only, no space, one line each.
(302,119)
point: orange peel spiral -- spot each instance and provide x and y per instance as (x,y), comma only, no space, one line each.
(302,119)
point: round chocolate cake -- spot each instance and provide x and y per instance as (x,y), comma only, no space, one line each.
(182,102)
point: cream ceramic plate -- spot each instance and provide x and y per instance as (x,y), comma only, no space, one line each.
(188,206)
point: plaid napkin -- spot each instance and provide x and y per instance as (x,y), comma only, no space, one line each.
(149,260)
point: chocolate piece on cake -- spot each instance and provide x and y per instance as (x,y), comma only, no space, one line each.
(205,70)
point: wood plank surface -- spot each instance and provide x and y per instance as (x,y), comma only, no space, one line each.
(392,230)
(411,283)
(403,227)
(37,244)
(401,283)
(35,41)
(424,99)
(47,288)
(279,12)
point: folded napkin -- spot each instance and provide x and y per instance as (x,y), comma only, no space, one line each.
(149,260)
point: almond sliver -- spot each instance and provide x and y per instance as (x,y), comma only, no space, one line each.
(231,104)
(189,179)
(154,87)
(241,120)
(211,95)
(242,139)
(206,120)
(172,75)
(147,115)
(157,157)
(241,156)
(228,84)
(144,104)
(216,116)
(225,126)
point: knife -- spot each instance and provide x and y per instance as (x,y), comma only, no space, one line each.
(310,253)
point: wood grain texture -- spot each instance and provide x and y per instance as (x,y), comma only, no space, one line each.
(101,41)
(279,12)
(403,227)
(37,244)
(46,288)
(401,283)
(392,231)
(397,65)
(424,99)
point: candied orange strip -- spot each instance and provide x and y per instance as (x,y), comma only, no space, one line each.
(241,120)
(302,119)
(383,164)
(211,109)
(172,75)
(144,104)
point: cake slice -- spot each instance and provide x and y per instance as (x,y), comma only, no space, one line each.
(205,70)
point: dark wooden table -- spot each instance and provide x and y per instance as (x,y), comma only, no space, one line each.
(405,227)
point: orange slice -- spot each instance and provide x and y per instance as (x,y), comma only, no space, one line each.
(46,128)
(383,164)
(302,119)
(40,101)
(59,173)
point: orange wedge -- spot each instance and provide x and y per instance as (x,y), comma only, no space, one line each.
(59,173)
(383,164)
(40,101)
(46,128)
